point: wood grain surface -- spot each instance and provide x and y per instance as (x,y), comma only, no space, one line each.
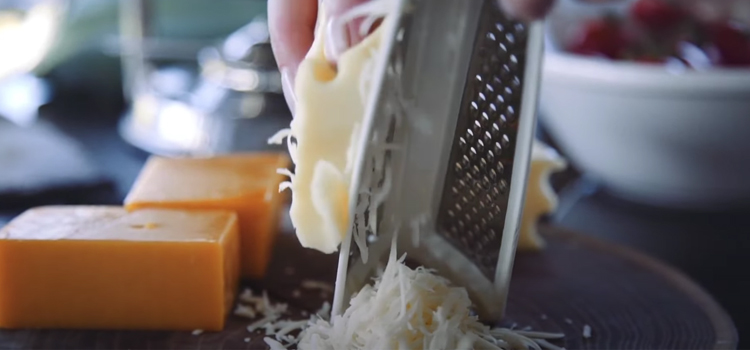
(629,300)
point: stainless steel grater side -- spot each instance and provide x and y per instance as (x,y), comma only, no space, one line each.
(446,146)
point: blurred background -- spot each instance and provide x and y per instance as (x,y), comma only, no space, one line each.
(648,99)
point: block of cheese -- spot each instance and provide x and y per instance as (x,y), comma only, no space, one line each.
(245,183)
(98,267)
(541,199)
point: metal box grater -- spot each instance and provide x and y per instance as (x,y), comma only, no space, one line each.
(446,146)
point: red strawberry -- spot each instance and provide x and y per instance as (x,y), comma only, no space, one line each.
(732,44)
(602,37)
(657,14)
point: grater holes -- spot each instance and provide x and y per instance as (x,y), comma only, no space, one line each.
(490,156)
(495,211)
(507,92)
(462,183)
(477,127)
(505,141)
(493,175)
(493,109)
(516,83)
(459,168)
(496,130)
(520,29)
(497,148)
(505,73)
(474,106)
(500,27)
(482,223)
(491,36)
(475,171)
(465,162)
(489,88)
(513,59)
(480,149)
(510,38)
(469,136)
(455,190)
(484,183)
(484,120)
(503,186)
(473,154)
(462,143)
(502,49)
(496,191)
(491,233)
(500,168)
(451,213)
(510,113)
(500,99)
(487,137)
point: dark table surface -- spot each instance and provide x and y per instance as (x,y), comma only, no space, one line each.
(709,247)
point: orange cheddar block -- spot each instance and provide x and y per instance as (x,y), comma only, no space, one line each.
(245,183)
(99,267)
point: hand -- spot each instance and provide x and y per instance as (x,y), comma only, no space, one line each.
(292,25)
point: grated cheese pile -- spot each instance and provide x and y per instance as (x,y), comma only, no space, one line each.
(414,309)
(405,308)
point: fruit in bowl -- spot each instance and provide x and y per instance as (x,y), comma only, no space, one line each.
(664,31)
(676,138)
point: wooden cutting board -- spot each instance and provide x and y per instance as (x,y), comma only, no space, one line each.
(630,301)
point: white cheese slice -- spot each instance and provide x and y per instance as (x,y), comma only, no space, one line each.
(329,110)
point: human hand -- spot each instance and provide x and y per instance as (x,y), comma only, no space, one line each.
(292,26)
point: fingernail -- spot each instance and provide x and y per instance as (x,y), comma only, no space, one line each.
(287,87)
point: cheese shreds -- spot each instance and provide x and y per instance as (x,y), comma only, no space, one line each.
(586,331)
(312,284)
(273,344)
(413,309)
(245,311)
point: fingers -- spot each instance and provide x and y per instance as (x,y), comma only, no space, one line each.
(291,25)
(342,35)
(527,9)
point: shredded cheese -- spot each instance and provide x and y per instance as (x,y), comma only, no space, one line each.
(413,309)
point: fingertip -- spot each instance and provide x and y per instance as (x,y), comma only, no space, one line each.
(526,9)
(291,25)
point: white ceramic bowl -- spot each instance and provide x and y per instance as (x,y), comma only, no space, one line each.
(677,139)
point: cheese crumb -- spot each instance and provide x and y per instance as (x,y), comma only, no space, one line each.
(273,344)
(587,331)
(312,284)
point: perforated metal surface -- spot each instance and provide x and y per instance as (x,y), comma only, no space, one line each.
(475,196)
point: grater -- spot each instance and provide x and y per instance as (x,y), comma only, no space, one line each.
(445,148)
